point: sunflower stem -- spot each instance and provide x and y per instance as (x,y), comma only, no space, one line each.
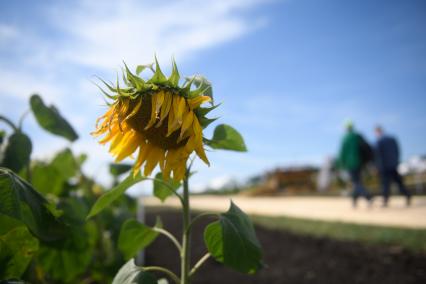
(9,122)
(185,254)
(164,270)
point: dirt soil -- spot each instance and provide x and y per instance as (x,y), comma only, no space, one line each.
(294,258)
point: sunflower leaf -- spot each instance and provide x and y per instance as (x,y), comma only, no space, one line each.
(130,273)
(136,81)
(233,242)
(135,236)
(119,169)
(110,196)
(203,87)
(158,76)
(226,137)
(141,68)
(51,120)
(17,248)
(174,77)
(19,200)
(163,188)
(18,151)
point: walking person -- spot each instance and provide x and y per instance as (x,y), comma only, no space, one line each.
(387,160)
(352,158)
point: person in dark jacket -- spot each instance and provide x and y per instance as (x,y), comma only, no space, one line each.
(350,159)
(387,160)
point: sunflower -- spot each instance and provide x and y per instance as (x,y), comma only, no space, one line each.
(157,119)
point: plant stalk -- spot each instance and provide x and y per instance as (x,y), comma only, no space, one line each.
(185,254)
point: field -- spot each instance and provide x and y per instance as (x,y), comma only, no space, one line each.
(303,251)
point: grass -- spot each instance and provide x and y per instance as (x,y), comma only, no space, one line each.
(411,239)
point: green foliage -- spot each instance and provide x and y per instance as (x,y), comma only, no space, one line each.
(132,274)
(17,248)
(119,169)
(110,196)
(232,241)
(135,236)
(72,257)
(69,248)
(163,188)
(51,120)
(411,239)
(2,135)
(227,138)
(18,151)
(18,199)
(65,163)
(51,178)
(46,179)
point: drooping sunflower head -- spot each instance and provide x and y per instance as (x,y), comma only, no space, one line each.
(156,121)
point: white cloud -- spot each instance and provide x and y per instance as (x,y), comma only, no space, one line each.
(19,84)
(7,33)
(101,35)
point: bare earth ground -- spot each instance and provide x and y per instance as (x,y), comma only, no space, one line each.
(320,208)
(293,258)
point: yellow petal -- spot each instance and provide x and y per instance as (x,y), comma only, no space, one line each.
(116,141)
(143,153)
(179,171)
(187,122)
(199,149)
(180,110)
(196,102)
(154,156)
(135,109)
(129,148)
(153,113)
(160,100)
(165,108)
(173,124)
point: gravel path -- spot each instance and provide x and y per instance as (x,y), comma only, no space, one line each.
(321,208)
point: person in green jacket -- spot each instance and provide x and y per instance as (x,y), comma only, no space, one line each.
(351,160)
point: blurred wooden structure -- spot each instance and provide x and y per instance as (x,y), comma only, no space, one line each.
(292,180)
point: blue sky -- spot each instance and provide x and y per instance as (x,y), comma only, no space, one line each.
(289,73)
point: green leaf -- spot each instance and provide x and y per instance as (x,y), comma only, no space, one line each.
(226,137)
(158,76)
(203,111)
(51,120)
(70,258)
(174,77)
(8,223)
(203,87)
(132,274)
(51,178)
(65,163)
(47,179)
(204,121)
(163,188)
(107,198)
(135,236)
(135,81)
(141,68)
(233,242)
(19,200)
(17,153)
(119,169)
(214,240)
(2,135)
(17,248)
